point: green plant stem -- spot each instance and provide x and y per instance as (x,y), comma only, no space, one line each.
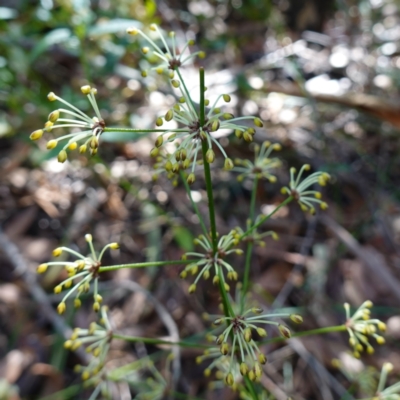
(194,205)
(202,90)
(158,341)
(250,387)
(185,88)
(144,265)
(263,219)
(130,130)
(250,244)
(318,331)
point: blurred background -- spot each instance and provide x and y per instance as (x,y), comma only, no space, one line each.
(322,74)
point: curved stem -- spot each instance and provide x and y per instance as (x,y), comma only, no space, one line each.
(250,244)
(144,265)
(263,219)
(115,129)
(158,341)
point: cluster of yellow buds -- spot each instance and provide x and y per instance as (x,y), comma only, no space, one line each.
(90,129)
(255,237)
(168,59)
(210,260)
(97,340)
(300,189)
(81,273)
(262,165)
(360,327)
(239,332)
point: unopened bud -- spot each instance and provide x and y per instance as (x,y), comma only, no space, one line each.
(36,135)
(62,156)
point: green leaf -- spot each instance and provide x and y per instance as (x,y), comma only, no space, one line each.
(183,237)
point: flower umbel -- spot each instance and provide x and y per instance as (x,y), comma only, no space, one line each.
(299,189)
(360,327)
(237,337)
(80,273)
(97,338)
(208,259)
(90,129)
(391,392)
(262,165)
(170,58)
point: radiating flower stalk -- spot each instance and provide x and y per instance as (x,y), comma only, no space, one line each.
(361,327)
(391,392)
(236,342)
(85,129)
(211,261)
(301,190)
(97,340)
(262,165)
(81,273)
(171,57)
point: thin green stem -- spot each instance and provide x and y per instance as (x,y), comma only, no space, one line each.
(159,341)
(185,88)
(114,129)
(194,205)
(263,219)
(250,387)
(202,90)
(318,331)
(250,244)
(144,265)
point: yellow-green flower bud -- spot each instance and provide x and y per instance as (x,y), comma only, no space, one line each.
(229,379)
(183,274)
(144,74)
(277,147)
(132,31)
(244,369)
(206,102)
(88,237)
(62,156)
(145,50)
(61,308)
(190,179)
(228,116)
(262,359)
(154,152)
(284,330)
(72,146)
(210,156)
(168,166)
(323,205)
(207,372)
(86,89)
(94,142)
(159,121)
(67,344)
(57,252)
(247,136)
(258,122)
(182,100)
(51,96)
(42,268)
(96,306)
(85,375)
(51,144)
(238,133)
(228,164)
(252,375)
(262,332)
(36,135)
(48,126)
(224,348)
(175,83)
(215,280)
(257,370)
(298,319)
(114,246)
(77,303)
(247,334)
(82,149)
(192,288)
(220,339)
(159,70)
(53,116)
(226,98)
(169,115)
(215,125)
